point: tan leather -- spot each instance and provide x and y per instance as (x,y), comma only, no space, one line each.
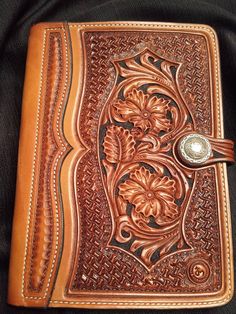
(107,213)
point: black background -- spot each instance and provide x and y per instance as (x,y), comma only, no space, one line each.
(16,17)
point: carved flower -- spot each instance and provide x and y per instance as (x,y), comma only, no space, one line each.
(151,194)
(144,111)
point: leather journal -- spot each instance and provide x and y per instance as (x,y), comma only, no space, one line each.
(122,193)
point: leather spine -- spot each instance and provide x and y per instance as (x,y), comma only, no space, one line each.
(38,220)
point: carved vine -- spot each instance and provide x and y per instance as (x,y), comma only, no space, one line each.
(147,191)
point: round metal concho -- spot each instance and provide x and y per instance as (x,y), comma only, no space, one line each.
(194,149)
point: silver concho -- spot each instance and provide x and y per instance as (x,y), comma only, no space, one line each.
(194,149)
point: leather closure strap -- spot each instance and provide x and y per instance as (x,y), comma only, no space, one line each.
(223,150)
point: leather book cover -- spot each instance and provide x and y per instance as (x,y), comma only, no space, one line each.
(122,194)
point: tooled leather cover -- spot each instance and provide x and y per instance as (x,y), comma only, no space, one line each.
(111,217)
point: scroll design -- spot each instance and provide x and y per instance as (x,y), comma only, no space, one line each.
(147,190)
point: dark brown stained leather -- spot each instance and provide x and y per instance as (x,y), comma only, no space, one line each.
(122,196)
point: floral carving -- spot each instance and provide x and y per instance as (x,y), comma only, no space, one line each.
(151,194)
(144,111)
(146,190)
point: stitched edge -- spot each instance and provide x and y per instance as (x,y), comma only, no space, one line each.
(209,31)
(139,303)
(34,164)
(151,25)
(54,168)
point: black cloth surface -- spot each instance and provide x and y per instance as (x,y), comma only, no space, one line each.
(16,17)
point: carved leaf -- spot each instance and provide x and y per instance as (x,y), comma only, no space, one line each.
(118,144)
